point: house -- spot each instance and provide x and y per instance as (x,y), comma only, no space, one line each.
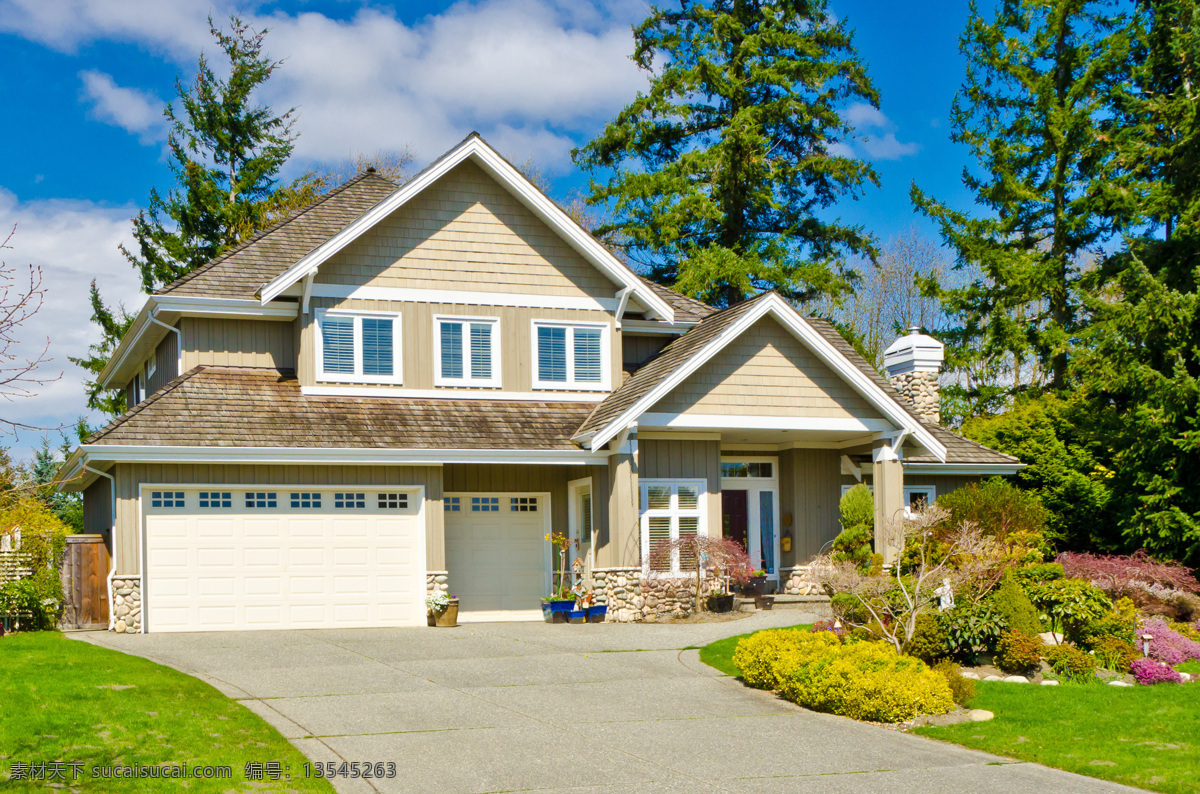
(403,389)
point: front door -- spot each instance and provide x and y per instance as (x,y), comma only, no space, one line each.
(735,516)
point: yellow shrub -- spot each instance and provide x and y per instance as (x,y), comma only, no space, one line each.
(866,681)
(757,656)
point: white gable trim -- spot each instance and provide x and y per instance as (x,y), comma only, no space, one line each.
(778,308)
(485,157)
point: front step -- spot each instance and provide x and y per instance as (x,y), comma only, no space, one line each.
(816,604)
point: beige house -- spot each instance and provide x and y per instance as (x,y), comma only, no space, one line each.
(400,389)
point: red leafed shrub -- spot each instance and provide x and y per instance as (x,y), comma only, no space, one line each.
(1120,575)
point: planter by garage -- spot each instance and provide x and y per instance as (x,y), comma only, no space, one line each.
(554,610)
(447,618)
(595,614)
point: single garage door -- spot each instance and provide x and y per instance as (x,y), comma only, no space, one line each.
(234,558)
(497,554)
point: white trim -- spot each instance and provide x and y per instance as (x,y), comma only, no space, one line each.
(397,376)
(462,297)
(574,492)
(674,512)
(755,487)
(653,435)
(773,460)
(571,384)
(453,394)
(964,468)
(520,187)
(656,327)
(344,456)
(466,379)
(735,422)
(850,469)
(790,319)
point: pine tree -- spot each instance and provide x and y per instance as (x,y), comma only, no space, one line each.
(43,472)
(225,153)
(1037,86)
(716,175)
(113,323)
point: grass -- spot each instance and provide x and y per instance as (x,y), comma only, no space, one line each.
(1189,667)
(719,654)
(1146,736)
(65,700)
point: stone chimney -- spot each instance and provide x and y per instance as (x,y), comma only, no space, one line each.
(912,363)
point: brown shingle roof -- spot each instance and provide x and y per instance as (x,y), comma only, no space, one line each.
(687,310)
(240,271)
(245,407)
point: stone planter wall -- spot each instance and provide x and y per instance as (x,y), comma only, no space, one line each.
(632,597)
(437,580)
(127,604)
(798,581)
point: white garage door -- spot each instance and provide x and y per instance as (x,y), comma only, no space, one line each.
(231,558)
(497,554)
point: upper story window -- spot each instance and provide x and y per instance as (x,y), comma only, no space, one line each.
(359,347)
(467,353)
(570,356)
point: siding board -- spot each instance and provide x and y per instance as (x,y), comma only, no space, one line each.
(685,459)
(239,343)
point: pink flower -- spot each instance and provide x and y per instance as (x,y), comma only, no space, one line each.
(1148,671)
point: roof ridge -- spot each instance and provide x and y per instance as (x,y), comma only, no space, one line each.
(259,235)
(165,389)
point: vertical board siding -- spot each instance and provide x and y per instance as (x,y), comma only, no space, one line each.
(766,372)
(810,489)
(686,459)
(238,343)
(458,234)
(97,510)
(131,475)
(419,341)
(637,350)
(166,363)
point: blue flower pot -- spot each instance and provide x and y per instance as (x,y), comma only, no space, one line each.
(556,611)
(595,614)
(577,616)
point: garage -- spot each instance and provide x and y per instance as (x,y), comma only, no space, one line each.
(497,554)
(231,558)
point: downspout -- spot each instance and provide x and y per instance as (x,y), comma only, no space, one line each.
(178,343)
(112,570)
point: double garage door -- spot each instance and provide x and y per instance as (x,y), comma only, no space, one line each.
(224,558)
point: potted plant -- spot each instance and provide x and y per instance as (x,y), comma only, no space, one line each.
(756,586)
(443,610)
(719,600)
(556,606)
(561,599)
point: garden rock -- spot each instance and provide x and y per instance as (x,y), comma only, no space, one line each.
(1050,638)
(1119,683)
(971,675)
(1049,682)
(993,678)
(1187,678)
(1016,679)
(980,715)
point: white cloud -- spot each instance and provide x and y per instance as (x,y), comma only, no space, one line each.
(876,136)
(134,111)
(72,242)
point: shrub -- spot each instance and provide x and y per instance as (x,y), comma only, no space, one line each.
(756,656)
(1115,654)
(1070,604)
(1148,671)
(972,629)
(1037,573)
(36,601)
(1189,630)
(1014,517)
(866,681)
(929,641)
(1120,575)
(1119,625)
(1071,663)
(833,626)
(857,539)
(961,689)
(1167,646)
(1018,652)
(1015,608)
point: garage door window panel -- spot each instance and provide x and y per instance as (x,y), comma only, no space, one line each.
(212,500)
(167,499)
(261,500)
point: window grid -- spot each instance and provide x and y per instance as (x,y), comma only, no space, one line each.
(758,469)
(671,510)
(261,499)
(167,499)
(523,504)
(349,500)
(306,500)
(452,504)
(393,501)
(466,352)
(211,499)
(485,504)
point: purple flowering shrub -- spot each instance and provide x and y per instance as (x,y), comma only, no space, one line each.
(1148,671)
(1169,646)
(832,626)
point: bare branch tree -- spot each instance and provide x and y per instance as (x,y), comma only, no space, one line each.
(19,301)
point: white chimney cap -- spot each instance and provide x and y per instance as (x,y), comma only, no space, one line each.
(914,352)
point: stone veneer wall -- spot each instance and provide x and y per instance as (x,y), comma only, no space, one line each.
(921,390)
(798,581)
(127,604)
(437,580)
(632,598)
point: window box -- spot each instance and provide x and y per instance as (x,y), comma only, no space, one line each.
(358,347)
(571,356)
(467,351)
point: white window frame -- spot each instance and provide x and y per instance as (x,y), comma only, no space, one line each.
(151,367)
(466,380)
(570,384)
(701,513)
(397,376)
(930,492)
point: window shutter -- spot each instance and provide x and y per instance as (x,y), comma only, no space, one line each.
(552,354)
(337,340)
(660,536)
(377,345)
(452,350)
(587,355)
(481,351)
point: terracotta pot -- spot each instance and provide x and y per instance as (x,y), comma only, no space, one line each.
(447,618)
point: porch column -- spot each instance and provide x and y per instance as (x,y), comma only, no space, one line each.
(888,479)
(625,534)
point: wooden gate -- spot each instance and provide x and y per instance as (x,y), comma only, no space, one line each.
(85,583)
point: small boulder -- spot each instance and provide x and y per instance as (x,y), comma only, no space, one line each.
(993,678)
(980,715)
(971,675)
(1049,682)
(1016,679)
(1050,638)
(1119,683)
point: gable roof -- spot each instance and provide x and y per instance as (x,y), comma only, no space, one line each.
(686,354)
(687,310)
(475,149)
(240,271)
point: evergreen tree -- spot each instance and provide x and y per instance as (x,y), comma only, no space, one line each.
(113,323)
(716,175)
(42,474)
(1037,87)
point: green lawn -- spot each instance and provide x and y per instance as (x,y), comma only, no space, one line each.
(65,700)
(719,654)
(1189,667)
(1142,736)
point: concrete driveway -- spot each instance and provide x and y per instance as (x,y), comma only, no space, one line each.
(529,706)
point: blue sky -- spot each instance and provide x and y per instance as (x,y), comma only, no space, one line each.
(85,81)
